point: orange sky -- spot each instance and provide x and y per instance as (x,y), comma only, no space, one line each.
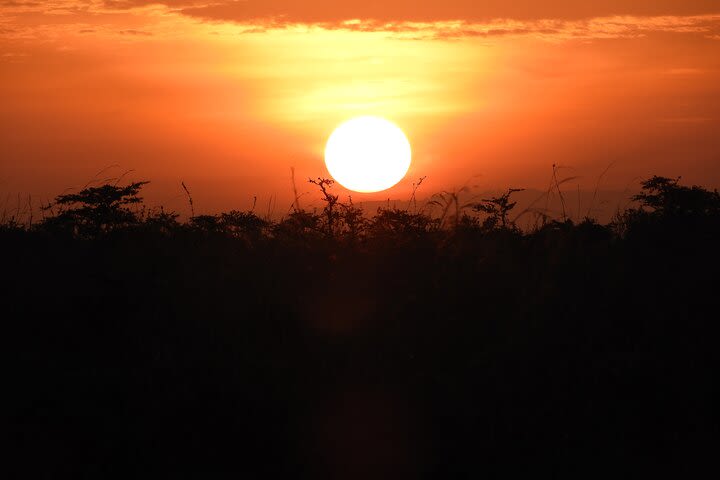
(227,95)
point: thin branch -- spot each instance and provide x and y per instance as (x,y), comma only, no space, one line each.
(190,199)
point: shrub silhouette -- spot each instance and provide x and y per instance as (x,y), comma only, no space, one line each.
(330,211)
(341,220)
(497,209)
(246,225)
(395,223)
(206,223)
(160,221)
(298,225)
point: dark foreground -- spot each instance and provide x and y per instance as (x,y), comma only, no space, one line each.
(399,350)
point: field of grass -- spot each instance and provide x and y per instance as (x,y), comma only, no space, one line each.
(337,344)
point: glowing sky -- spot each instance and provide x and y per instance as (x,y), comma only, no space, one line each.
(228,95)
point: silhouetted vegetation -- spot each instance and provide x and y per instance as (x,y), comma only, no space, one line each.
(419,343)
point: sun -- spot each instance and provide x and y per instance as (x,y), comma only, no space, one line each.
(368,154)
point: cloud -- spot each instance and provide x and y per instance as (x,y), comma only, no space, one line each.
(135,33)
(445,19)
(16,3)
(333,11)
(448,19)
(551,29)
(127,4)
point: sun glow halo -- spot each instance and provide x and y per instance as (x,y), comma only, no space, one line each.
(368,154)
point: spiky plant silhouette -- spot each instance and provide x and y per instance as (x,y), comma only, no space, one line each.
(330,210)
(497,210)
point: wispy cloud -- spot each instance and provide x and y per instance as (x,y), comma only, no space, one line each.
(321,11)
(453,19)
(19,4)
(135,32)
(552,20)
(548,29)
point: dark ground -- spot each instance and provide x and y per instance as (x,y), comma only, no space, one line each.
(580,351)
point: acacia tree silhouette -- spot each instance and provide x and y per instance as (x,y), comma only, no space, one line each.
(669,209)
(96,210)
(665,197)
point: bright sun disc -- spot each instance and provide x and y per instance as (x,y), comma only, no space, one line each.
(368,154)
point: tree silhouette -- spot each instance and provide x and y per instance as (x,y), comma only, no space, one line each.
(665,197)
(667,209)
(96,210)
